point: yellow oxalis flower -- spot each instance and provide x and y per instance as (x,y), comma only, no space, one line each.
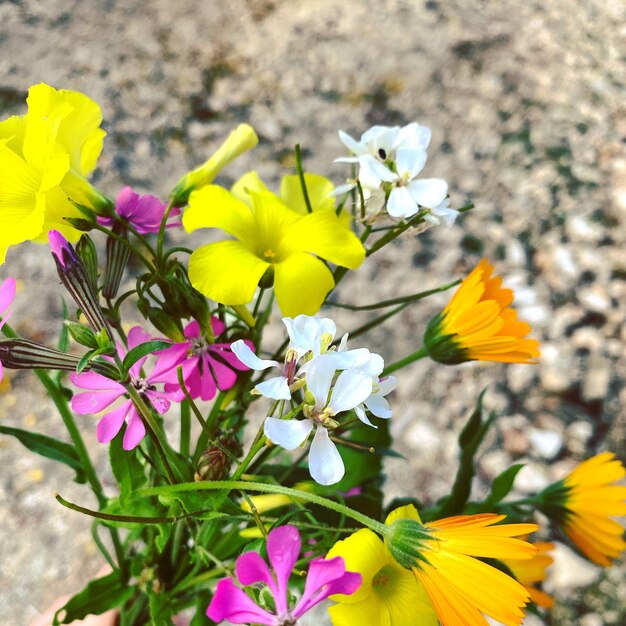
(268,236)
(44,158)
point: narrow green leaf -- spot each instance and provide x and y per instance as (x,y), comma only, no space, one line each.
(128,470)
(49,448)
(503,483)
(100,595)
(143,349)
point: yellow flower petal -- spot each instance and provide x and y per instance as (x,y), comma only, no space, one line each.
(226,272)
(323,234)
(249,182)
(318,189)
(215,207)
(301,283)
(369,612)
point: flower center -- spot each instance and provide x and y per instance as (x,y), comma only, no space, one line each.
(198,345)
(269,255)
(141,385)
(385,580)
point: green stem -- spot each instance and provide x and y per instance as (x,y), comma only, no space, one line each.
(153,428)
(416,356)
(390,236)
(185,427)
(241,485)
(300,171)
(161,235)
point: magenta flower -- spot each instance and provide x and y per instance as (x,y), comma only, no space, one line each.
(206,366)
(104,392)
(325,578)
(7,293)
(144,213)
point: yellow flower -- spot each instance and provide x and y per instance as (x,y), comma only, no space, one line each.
(240,140)
(531,571)
(389,595)
(273,243)
(44,158)
(583,504)
(438,559)
(479,324)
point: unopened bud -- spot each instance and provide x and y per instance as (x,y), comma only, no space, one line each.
(215,461)
(118,254)
(81,334)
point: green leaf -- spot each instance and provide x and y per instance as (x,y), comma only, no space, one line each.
(143,349)
(90,356)
(503,483)
(161,610)
(49,448)
(128,470)
(100,595)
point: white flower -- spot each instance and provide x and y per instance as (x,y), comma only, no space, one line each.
(407,193)
(376,403)
(351,388)
(442,214)
(309,334)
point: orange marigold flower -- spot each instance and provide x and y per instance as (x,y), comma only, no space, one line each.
(531,571)
(583,504)
(442,555)
(478,324)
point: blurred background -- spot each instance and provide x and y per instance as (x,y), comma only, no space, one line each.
(526,104)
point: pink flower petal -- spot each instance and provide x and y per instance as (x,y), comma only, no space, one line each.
(168,360)
(137,335)
(251,568)
(94,401)
(192,330)
(218,326)
(135,430)
(283,549)
(91,380)
(159,401)
(7,293)
(224,376)
(232,604)
(226,354)
(325,578)
(112,422)
(208,388)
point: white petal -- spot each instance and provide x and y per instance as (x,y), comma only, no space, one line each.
(325,462)
(386,385)
(352,388)
(352,159)
(245,354)
(373,170)
(410,161)
(378,406)
(339,191)
(414,136)
(428,192)
(287,433)
(350,143)
(319,377)
(276,388)
(360,413)
(401,203)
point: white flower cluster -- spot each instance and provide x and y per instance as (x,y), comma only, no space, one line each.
(330,381)
(390,159)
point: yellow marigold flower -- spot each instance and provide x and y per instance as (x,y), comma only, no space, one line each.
(531,571)
(479,324)
(272,242)
(45,156)
(437,558)
(583,504)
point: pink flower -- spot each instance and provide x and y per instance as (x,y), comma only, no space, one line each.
(144,213)
(104,392)
(325,578)
(7,293)
(206,366)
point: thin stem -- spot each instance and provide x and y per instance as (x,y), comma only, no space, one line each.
(415,356)
(155,432)
(241,485)
(189,399)
(161,235)
(126,242)
(300,171)
(185,427)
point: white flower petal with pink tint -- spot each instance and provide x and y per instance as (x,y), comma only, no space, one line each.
(325,463)
(288,434)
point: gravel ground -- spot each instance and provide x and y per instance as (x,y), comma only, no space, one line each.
(526,104)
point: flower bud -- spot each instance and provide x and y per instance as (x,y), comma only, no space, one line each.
(118,254)
(86,250)
(73,275)
(81,334)
(216,460)
(242,139)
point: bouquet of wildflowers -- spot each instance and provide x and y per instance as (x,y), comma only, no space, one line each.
(165,358)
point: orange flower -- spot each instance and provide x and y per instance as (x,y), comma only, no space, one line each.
(532,571)
(479,324)
(442,555)
(583,504)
